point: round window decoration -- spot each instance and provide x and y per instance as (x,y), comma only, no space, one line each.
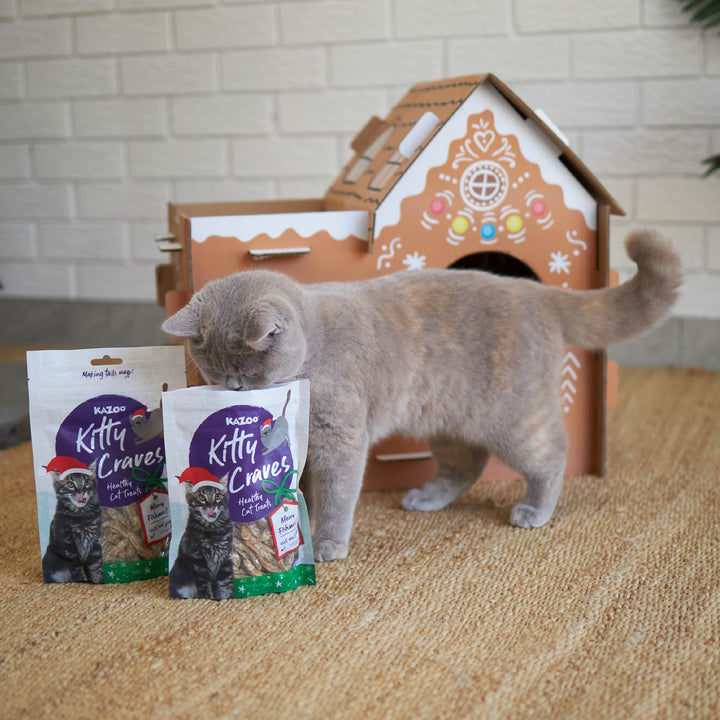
(484,185)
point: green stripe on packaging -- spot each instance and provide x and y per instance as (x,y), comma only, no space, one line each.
(275,582)
(118,572)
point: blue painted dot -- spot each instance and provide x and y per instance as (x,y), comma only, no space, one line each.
(487,231)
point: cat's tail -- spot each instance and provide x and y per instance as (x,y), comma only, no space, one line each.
(596,318)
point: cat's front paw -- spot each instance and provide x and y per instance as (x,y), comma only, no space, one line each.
(326,550)
(526,516)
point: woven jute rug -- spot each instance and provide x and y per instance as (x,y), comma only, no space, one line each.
(610,611)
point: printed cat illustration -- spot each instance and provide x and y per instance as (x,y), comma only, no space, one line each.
(146,425)
(74,551)
(469,360)
(203,567)
(275,432)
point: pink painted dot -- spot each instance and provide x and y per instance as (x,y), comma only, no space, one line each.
(437,206)
(538,208)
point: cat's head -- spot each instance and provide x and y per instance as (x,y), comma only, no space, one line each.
(75,490)
(266,428)
(138,419)
(244,330)
(207,503)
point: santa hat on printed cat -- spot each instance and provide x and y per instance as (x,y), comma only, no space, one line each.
(199,477)
(65,465)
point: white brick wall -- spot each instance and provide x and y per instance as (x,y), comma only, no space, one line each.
(111,108)
(111,34)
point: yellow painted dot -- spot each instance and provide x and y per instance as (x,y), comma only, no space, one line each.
(460,224)
(514,223)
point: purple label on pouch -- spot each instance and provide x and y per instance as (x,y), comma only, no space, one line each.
(252,449)
(123,439)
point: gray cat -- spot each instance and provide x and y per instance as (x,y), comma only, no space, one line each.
(469,360)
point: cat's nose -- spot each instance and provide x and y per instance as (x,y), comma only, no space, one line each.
(233,383)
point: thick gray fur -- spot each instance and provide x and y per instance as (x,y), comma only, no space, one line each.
(469,360)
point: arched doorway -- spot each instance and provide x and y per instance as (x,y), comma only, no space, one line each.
(498,263)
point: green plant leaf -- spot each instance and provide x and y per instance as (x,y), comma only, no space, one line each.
(713,163)
(702,12)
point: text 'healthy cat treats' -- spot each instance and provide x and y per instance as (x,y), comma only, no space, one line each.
(239,518)
(99,458)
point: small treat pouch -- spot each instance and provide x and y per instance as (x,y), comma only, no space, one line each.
(234,461)
(99,459)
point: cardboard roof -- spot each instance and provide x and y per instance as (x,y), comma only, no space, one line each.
(376,145)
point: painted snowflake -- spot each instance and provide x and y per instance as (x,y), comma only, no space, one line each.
(415,261)
(560,263)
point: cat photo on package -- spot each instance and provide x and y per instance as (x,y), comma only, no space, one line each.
(234,462)
(99,459)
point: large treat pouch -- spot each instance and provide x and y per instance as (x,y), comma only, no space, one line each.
(97,437)
(234,461)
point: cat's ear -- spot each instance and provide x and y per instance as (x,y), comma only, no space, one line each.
(184,323)
(271,316)
(224,481)
(264,327)
(264,337)
(188,490)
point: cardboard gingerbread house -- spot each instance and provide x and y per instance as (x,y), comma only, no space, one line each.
(460,174)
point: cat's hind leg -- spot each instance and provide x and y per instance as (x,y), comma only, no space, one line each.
(541,461)
(460,465)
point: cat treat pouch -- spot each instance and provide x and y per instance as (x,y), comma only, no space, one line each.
(99,458)
(234,461)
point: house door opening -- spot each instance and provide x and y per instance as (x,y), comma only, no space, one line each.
(498,263)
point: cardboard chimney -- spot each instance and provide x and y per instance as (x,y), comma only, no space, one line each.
(460,174)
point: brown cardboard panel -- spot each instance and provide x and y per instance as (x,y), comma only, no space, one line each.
(164,282)
(328,259)
(398,474)
(405,474)
(613,383)
(257,207)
